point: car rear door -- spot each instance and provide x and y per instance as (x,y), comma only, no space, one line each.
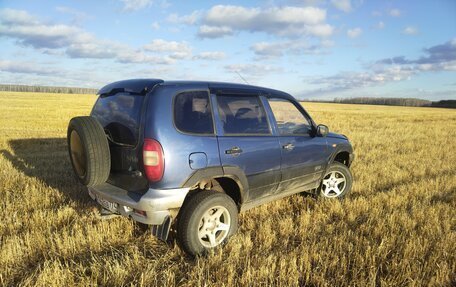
(120,116)
(303,155)
(246,141)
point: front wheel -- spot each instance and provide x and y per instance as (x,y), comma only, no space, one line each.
(337,182)
(205,221)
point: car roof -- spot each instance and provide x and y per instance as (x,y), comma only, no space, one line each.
(236,88)
(144,85)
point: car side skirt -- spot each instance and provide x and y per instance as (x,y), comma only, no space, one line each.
(263,200)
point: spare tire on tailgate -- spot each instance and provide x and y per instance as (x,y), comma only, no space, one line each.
(89,150)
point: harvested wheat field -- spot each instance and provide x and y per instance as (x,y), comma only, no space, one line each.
(396,228)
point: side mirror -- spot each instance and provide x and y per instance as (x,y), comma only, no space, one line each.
(322,130)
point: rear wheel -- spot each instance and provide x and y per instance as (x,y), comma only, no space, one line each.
(206,220)
(337,182)
(89,150)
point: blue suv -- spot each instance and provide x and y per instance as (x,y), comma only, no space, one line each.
(192,155)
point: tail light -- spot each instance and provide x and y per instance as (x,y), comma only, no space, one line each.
(140,212)
(154,162)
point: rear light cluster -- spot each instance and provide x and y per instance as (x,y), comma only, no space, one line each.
(140,212)
(154,161)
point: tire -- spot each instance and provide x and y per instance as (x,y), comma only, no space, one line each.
(336,183)
(197,221)
(89,150)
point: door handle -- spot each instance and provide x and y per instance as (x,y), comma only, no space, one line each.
(288,146)
(234,150)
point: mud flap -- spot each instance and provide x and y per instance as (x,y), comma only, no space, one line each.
(161,231)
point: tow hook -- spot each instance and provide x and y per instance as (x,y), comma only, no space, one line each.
(105,214)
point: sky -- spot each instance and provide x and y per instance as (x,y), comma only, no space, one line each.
(312,49)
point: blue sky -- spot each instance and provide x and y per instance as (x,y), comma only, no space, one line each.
(311,49)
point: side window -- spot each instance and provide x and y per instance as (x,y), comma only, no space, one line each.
(290,120)
(192,113)
(243,115)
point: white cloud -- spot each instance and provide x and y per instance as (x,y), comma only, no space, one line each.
(205,31)
(155,26)
(77,43)
(376,13)
(121,53)
(321,30)
(164,4)
(190,19)
(133,5)
(29,31)
(221,20)
(356,80)
(78,16)
(49,74)
(277,49)
(94,50)
(225,20)
(380,25)
(178,50)
(395,12)
(269,49)
(344,5)
(26,68)
(241,17)
(12,16)
(141,58)
(160,45)
(438,58)
(410,30)
(254,70)
(210,55)
(354,33)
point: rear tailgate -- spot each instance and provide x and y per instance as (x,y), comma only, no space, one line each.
(119,110)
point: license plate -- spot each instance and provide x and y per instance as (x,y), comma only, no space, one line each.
(111,206)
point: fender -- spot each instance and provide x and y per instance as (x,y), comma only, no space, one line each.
(340,147)
(232,172)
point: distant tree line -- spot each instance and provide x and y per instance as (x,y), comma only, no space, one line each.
(407,102)
(44,89)
(445,104)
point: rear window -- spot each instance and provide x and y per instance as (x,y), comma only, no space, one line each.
(120,116)
(192,113)
(243,115)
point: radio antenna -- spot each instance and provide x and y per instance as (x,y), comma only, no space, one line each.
(242,77)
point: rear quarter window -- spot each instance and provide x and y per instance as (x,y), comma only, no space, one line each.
(192,113)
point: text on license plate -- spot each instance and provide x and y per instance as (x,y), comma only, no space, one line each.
(111,206)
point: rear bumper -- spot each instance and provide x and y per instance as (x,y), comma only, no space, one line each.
(157,203)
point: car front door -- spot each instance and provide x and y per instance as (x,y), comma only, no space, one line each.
(303,155)
(246,142)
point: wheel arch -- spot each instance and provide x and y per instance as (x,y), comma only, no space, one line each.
(230,180)
(343,157)
(342,150)
(343,154)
